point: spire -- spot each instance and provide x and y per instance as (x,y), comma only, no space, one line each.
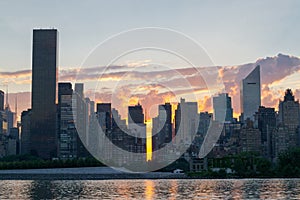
(16,107)
(6,104)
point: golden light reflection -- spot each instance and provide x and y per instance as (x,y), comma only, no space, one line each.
(149,190)
(149,140)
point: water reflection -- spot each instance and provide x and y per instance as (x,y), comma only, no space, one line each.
(152,189)
(149,189)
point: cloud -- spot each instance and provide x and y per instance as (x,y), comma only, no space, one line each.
(152,87)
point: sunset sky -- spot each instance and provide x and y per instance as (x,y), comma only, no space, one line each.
(234,36)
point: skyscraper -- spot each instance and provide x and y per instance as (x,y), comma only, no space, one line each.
(289,111)
(186,121)
(44,79)
(1,100)
(222,108)
(265,119)
(287,133)
(67,134)
(250,94)
(79,89)
(165,120)
(162,126)
(104,116)
(136,126)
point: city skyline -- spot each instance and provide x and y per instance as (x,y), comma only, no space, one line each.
(223,39)
(283,72)
(150,99)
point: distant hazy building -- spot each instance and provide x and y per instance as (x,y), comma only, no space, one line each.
(44,76)
(186,122)
(79,88)
(250,94)
(222,108)
(10,119)
(81,118)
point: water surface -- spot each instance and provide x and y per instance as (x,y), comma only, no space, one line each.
(151,189)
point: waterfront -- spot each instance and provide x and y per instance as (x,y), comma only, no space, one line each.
(151,189)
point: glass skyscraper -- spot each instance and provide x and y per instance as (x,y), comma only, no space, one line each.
(250,94)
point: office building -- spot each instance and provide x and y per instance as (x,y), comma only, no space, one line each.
(289,111)
(1,100)
(223,111)
(67,134)
(25,132)
(162,126)
(250,94)
(186,122)
(104,116)
(44,79)
(265,121)
(137,127)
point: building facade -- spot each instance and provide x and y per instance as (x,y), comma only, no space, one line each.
(44,80)
(250,94)
(222,105)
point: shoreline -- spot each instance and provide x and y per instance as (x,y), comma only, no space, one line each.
(101,173)
(85,173)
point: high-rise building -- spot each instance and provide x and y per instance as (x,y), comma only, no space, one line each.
(265,120)
(104,116)
(205,120)
(250,94)
(186,122)
(222,108)
(165,120)
(162,126)
(79,87)
(137,127)
(289,111)
(288,130)
(1,100)
(67,134)
(25,132)
(81,107)
(44,80)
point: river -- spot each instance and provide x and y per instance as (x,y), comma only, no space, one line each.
(151,189)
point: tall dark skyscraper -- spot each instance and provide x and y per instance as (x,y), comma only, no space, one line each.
(162,126)
(44,81)
(165,119)
(104,115)
(266,123)
(1,100)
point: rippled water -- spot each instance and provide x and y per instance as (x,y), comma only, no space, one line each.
(152,189)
